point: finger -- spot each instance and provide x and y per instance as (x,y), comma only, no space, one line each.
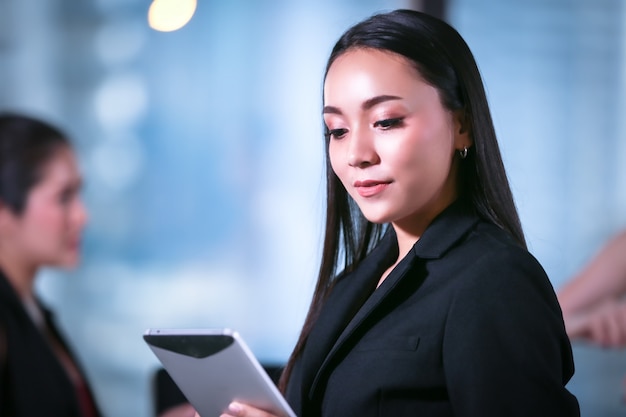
(613,330)
(621,317)
(597,330)
(604,327)
(182,410)
(577,326)
(610,325)
(236,409)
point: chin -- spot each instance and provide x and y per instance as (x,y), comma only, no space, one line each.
(68,262)
(378,219)
(378,213)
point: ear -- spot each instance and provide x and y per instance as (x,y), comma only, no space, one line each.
(462,137)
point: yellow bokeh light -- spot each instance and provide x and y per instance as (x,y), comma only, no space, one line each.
(170,15)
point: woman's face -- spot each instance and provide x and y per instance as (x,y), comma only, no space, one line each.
(392,143)
(48,231)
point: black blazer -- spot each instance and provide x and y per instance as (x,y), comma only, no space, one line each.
(32,380)
(467,324)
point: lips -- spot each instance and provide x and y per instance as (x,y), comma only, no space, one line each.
(370,188)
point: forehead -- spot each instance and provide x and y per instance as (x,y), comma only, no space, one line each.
(367,71)
(60,167)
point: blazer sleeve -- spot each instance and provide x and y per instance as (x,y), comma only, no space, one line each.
(506,352)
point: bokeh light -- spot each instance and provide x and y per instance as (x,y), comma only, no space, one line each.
(170,15)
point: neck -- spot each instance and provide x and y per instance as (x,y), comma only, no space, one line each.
(406,240)
(409,230)
(20,274)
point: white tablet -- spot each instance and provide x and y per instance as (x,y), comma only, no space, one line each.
(213,367)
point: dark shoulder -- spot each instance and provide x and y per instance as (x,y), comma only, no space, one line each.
(488,245)
(495,264)
(488,234)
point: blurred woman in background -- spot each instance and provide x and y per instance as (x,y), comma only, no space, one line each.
(41,221)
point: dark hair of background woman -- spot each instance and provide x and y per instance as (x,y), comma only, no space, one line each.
(26,144)
(444,60)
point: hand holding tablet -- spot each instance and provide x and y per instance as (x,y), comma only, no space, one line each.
(214,367)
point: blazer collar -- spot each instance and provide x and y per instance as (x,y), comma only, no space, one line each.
(353,299)
(445,230)
(7,292)
(11,299)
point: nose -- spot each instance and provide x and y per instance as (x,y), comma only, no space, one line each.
(361,149)
(79,214)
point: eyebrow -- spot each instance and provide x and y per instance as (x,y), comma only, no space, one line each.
(367,104)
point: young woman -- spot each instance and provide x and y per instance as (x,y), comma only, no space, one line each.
(41,220)
(428,302)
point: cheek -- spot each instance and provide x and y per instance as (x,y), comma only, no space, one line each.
(334,157)
(433,143)
(419,158)
(46,219)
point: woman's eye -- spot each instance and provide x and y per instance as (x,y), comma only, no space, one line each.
(389,123)
(336,133)
(65,197)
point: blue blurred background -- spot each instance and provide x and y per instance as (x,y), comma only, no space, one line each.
(202,153)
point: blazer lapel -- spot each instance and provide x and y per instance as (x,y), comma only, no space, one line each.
(363,313)
(357,299)
(347,296)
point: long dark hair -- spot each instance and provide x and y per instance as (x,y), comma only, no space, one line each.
(26,145)
(444,60)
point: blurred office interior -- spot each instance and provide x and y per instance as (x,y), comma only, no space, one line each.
(202,155)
